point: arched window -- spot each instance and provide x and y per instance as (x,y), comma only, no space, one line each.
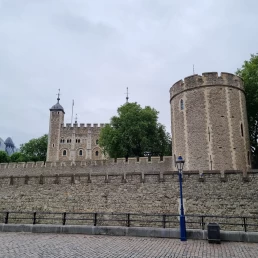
(80,152)
(96,153)
(64,152)
(182,104)
(97,141)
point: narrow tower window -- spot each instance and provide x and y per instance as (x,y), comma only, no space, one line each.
(242,131)
(96,153)
(80,152)
(97,141)
(64,152)
(182,104)
(211,162)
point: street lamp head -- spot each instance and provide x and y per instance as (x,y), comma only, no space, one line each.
(180,163)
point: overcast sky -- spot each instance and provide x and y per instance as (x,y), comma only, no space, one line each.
(92,50)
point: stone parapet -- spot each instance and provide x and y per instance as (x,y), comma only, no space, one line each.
(143,164)
(207,79)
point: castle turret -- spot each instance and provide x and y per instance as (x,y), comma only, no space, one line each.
(209,122)
(56,120)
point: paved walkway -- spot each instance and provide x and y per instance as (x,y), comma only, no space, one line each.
(59,245)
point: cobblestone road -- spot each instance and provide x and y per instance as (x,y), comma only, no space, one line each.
(59,245)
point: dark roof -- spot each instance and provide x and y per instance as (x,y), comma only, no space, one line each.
(57,107)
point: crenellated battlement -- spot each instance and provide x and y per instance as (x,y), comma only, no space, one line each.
(207,79)
(82,125)
(142,166)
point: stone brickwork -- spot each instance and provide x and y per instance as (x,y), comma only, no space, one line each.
(209,122)
(56,119)
(80,142)
(148,187)
(143,165)
(72,142)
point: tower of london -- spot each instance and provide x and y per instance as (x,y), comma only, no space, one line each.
(71,142)
(208,124)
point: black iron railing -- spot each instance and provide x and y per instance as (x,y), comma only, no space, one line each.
(239,223)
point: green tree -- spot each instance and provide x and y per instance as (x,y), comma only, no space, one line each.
(35,149)
(135,132)
(249,74)
(4,157)
(18,157)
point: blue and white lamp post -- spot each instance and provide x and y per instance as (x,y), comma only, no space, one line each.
(180,164)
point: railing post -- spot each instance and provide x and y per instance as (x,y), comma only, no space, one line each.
(64,218)
(202,223)
(164,220)
(6,217)
(245,226)
(128,220)
(95,218)
(34,217)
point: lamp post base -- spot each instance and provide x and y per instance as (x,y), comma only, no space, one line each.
(182,228)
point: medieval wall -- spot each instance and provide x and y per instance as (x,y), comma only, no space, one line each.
(145,186)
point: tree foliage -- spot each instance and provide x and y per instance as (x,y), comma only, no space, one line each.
(249,74)
(18,157)
(34,150)
(135,132)
(4,157)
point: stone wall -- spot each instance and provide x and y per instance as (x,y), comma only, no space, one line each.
(120,188)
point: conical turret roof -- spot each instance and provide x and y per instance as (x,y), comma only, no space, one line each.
(57,106)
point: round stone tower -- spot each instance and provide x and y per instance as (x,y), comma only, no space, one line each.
(55,122)
(209,122)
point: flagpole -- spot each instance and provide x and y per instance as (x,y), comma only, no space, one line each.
(72,114)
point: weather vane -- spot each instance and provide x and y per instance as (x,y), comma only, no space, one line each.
(58,95)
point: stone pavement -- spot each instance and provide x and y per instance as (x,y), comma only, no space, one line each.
(60,245)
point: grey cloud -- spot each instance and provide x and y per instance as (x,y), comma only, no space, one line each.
(93,50)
